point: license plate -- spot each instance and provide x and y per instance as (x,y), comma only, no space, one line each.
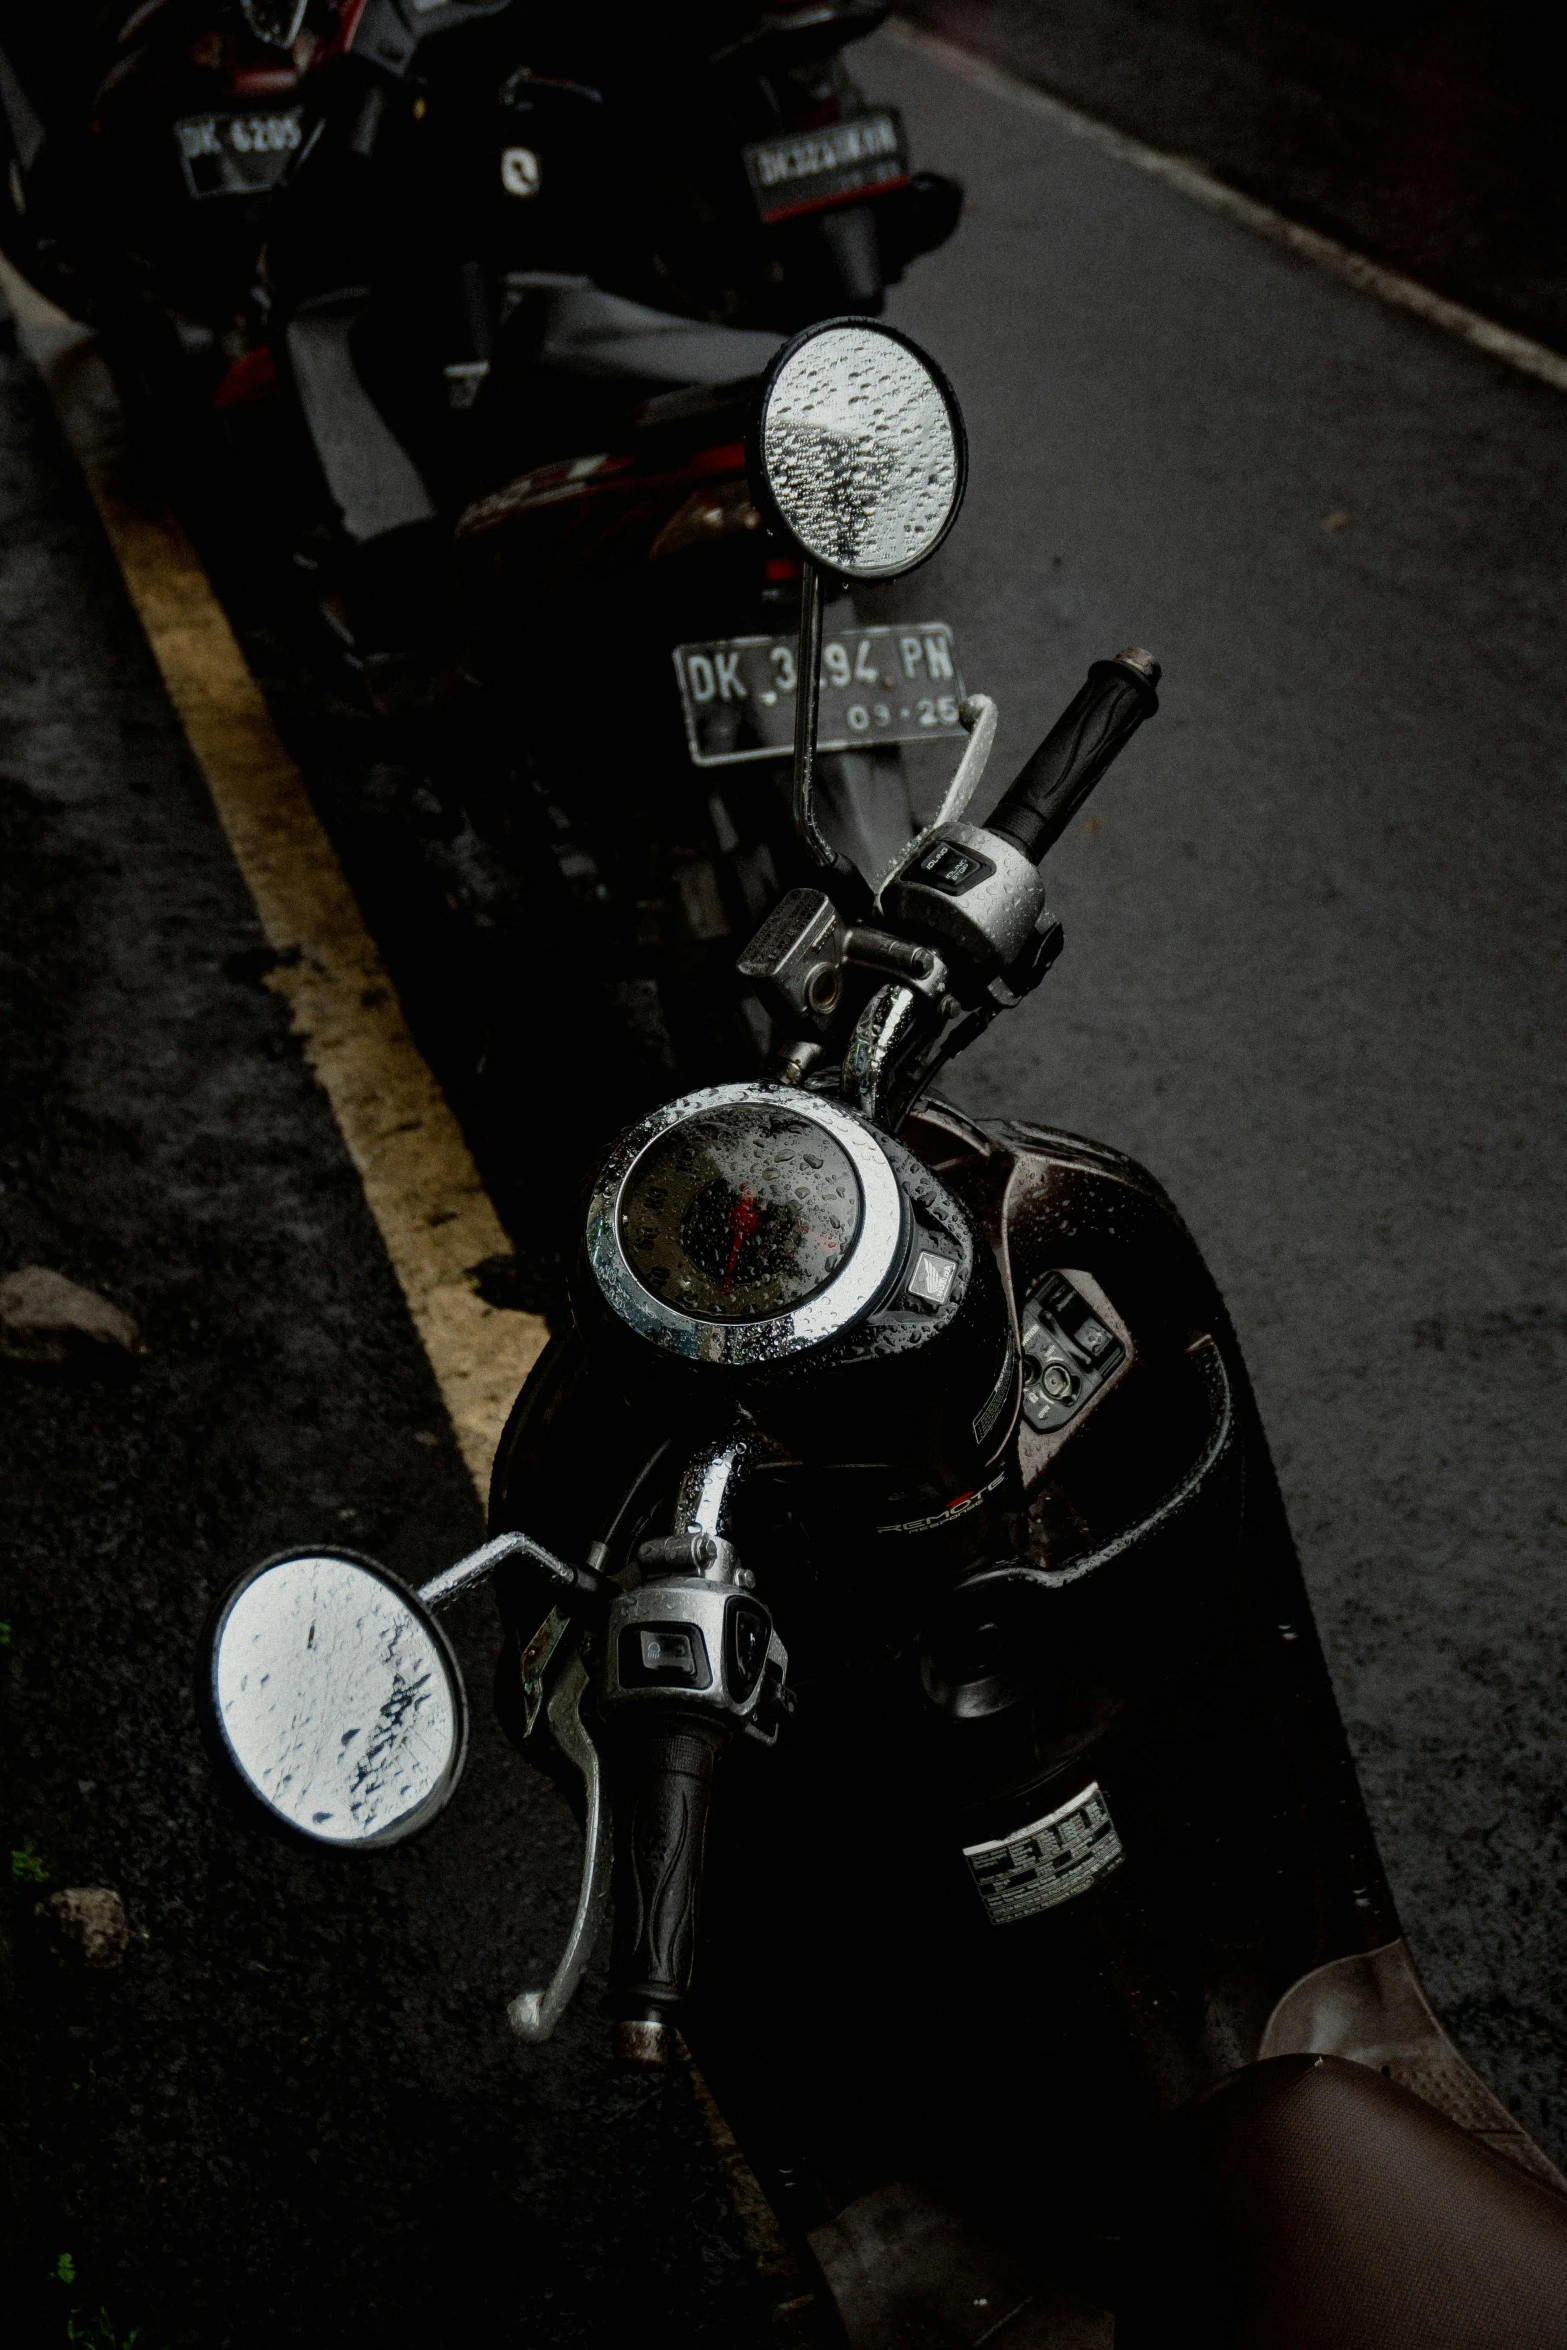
(879,685)
(236,154)
(808,169)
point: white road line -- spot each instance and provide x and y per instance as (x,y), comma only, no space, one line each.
(1498,342)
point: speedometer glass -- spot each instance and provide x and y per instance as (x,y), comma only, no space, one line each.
(740,1213)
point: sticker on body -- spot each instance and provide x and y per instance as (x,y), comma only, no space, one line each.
(1051,1861)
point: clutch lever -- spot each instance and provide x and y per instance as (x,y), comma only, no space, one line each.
(533,2015)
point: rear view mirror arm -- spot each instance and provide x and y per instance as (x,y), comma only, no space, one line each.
(578,1589)
(808,673)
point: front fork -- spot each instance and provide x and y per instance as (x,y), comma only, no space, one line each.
(685,1660)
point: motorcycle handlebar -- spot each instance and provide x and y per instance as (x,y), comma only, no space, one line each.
(1092,731)
(665,1783)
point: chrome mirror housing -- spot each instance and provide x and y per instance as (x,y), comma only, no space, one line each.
(861,449)
(334,1698)
(860,464)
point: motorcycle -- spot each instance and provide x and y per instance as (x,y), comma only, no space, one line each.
(366,276)
(724,166)
(629,683)
(516,422)
(141,147)
(890,1562)
(770,191)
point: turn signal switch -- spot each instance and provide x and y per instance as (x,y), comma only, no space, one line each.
(974,891)
(979,900)
(696,1633)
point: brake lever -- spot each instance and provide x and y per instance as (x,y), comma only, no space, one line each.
(533,2015)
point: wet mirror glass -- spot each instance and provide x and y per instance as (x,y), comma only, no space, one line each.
(336,1698)
(862,449)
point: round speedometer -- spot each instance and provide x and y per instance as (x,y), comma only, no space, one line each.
(745,1223)
(740,1214)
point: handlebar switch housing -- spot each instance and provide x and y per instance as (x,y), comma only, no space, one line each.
(707,1647)
(973,895)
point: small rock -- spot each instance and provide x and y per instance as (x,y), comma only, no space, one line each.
(46,1319)
(86,1924)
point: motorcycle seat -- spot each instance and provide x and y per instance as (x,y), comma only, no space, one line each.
(588,332)
(1310,2204)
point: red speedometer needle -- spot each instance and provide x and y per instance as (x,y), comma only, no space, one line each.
(744,1217)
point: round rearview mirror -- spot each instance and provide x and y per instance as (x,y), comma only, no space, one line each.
(336,1698)
(861,449)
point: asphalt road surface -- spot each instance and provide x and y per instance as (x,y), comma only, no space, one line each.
(294,2115)
(1424,132)
(1312,977)
(1314,969)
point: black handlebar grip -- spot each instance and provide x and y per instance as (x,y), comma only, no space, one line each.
(664,1785)
(1094,729)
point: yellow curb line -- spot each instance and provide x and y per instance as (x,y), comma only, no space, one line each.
(424,1190)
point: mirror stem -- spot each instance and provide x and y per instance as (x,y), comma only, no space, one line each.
(808,686)
(577,1584)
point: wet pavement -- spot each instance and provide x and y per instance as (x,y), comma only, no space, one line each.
(295,2109)
(1312,977)
(1313,974)
(1425,133)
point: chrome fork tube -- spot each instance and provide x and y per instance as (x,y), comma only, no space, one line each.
(882,1034)
(710,1480)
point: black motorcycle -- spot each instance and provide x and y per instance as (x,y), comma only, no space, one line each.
(768,189)
(718,162)
(891,1563)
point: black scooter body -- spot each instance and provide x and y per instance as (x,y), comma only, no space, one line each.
(1114,1630)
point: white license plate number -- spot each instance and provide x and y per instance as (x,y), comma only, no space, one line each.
(237,154)
(810,169)
(879,685)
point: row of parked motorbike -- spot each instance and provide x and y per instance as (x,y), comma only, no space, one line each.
(890,1565)
(457,319)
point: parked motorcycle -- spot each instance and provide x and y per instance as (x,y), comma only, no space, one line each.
(721,163)
(630,681)
(607,563)
(499,501)
(769,189)
(140,149)
(891,1564)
